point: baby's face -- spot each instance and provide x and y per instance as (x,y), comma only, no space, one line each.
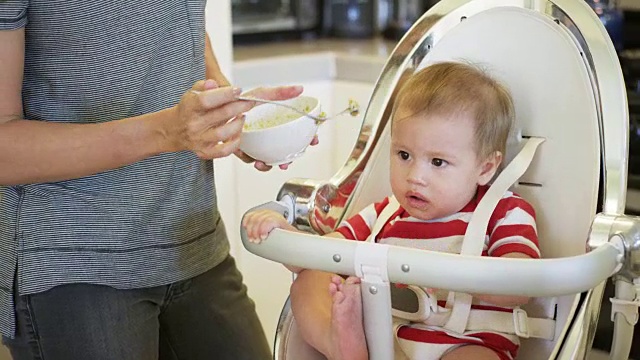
(434,166)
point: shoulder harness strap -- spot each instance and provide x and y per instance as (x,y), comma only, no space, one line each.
(474,238)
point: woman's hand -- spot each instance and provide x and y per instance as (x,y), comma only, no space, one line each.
(208,120)
(202,123)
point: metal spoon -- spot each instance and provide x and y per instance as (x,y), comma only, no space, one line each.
(353,109)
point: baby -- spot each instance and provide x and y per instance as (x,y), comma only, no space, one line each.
(449,129)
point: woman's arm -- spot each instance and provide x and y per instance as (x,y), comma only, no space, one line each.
(36,151)
(211,63)
(39,151)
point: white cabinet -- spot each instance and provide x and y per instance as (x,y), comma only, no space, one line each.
(241,187)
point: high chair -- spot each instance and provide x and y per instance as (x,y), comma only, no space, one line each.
(562,70)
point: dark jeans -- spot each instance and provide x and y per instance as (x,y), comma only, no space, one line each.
(207,317)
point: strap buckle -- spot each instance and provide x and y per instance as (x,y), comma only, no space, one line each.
(521,323)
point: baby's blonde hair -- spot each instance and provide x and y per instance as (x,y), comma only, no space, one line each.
(450,89)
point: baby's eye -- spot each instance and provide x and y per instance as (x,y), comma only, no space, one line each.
(438,162)
(403,155)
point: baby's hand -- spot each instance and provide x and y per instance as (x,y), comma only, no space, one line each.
(259,224)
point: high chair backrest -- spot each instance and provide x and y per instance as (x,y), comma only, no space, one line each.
(548,74)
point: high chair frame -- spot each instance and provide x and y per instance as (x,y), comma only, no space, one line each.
(613,240)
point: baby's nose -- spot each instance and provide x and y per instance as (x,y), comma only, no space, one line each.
(417,178)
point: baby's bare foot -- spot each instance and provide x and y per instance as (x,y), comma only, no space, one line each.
(347,331)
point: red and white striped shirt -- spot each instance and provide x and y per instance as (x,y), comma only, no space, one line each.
(511,228)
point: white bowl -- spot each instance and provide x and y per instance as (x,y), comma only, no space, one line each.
(276,135)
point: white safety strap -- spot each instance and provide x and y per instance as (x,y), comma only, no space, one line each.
(516,323)
(474,238)
(384,217)
(370,263)
(375,257)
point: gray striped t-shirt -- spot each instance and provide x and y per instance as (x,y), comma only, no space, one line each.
(146,224)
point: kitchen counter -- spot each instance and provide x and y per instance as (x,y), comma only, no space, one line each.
(375,47)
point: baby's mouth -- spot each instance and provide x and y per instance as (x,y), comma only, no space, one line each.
(416,200)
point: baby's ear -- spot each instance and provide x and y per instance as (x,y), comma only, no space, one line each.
(488,167)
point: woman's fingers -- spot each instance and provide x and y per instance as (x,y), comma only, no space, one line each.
(243,156)
(224,112)
(210,96)
(222,133)
(261,166)
(216,97)
(220,141)
(203,85)
(275,93)
(219,150)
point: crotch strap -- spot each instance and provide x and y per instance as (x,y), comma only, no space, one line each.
(474,237)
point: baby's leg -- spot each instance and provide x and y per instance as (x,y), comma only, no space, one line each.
(475,352)
(347,331)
